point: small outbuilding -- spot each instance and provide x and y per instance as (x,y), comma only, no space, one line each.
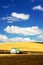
(14,51)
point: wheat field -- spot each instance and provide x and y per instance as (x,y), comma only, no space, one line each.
(22,59)
(23,46)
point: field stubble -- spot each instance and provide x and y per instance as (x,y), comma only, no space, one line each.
(21,59)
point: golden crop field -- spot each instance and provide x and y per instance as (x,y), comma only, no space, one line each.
(23,46)
(22,59)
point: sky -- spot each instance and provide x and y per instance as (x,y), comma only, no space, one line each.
(21,20)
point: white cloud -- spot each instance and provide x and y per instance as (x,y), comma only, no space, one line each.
(34,30)
(18,39)
(16,17)
(21,16)
(4,38)
(40,37)
(38,8)
(10,19)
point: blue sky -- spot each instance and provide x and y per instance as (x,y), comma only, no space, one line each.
(21,20)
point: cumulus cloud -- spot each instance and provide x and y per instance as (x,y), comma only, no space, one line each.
(21,16)
(18,39)
(4,38)
(16,17)
(34,30)
(40,37)
(39,7)
(10,19)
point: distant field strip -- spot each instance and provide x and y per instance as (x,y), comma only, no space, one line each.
(23,46)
